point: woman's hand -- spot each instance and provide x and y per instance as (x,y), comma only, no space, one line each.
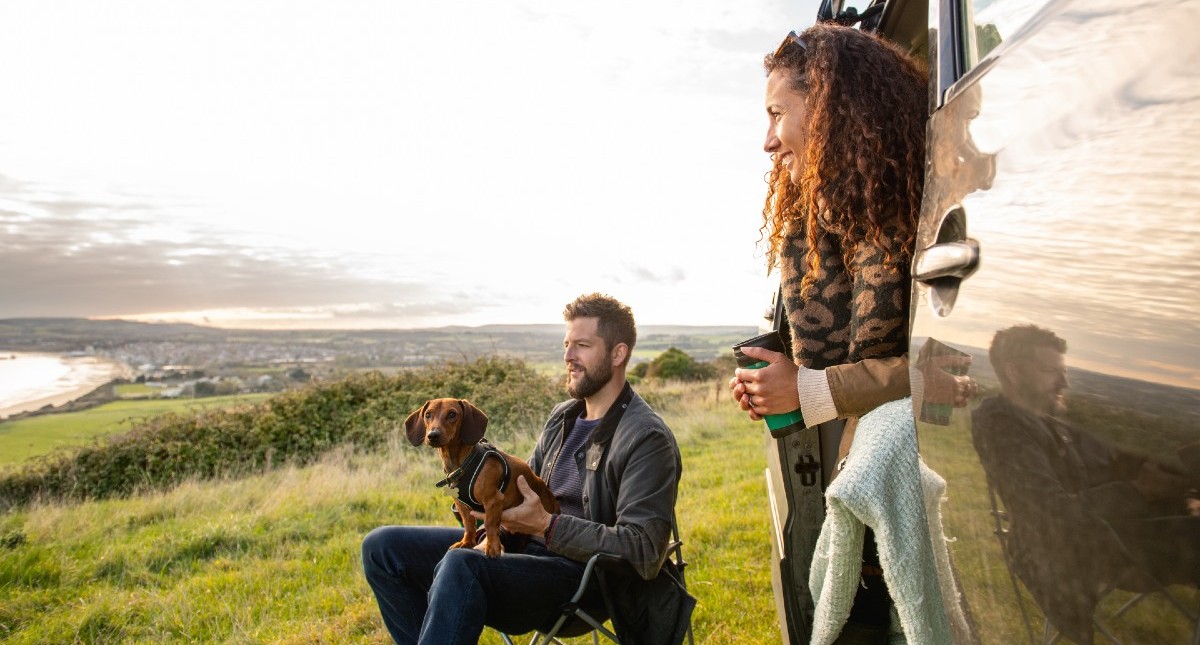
(946,381)
(766,390)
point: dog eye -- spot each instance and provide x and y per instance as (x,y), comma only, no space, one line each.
(452,414)
(428,416)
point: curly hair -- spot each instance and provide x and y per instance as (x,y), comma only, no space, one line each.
(863,173)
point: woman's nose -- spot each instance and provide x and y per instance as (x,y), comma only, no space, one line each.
(772,142)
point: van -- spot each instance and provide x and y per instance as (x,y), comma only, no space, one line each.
(1057,268)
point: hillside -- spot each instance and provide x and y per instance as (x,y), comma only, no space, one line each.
(266,551)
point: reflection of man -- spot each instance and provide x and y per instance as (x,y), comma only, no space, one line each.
(1083,513)
(614,466)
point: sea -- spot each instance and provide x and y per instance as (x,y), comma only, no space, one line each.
(32,377)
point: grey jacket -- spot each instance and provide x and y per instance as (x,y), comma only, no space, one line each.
(630,471)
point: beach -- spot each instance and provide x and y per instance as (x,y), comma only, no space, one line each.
(31,381)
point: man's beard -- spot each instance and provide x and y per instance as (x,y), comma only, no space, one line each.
(1048,404)
(590,383)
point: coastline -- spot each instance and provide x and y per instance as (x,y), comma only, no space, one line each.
(88,373)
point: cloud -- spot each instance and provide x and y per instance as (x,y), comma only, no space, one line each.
(354,165)
(59,261)
(641,274)
(430,307)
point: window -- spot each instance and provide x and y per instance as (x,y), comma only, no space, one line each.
(987,23)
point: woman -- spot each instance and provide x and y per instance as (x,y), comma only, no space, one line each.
(847,113)
(847,118)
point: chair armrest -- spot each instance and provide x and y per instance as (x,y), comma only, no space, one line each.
(598,558)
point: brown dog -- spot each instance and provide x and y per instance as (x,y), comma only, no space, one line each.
(485,477)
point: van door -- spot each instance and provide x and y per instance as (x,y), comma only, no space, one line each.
(1057,263)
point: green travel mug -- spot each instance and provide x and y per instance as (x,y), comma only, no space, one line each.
(780,425)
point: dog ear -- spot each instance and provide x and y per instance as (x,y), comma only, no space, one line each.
(415,425)
(474,423)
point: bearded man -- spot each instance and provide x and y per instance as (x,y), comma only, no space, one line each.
(614,466)
(1084,513)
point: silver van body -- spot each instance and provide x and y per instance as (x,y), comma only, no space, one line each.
(1061,201)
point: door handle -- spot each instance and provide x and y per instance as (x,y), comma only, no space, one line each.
(952,258)
(948,260)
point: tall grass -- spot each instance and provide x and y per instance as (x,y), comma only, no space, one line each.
(273,557)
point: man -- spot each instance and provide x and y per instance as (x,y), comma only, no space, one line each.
(614,466)
(1083,512)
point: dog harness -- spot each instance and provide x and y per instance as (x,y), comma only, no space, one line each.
(463,478)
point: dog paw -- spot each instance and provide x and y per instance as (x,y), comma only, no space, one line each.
(461,544)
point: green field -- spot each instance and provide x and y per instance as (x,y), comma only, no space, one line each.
(135,391)
(274,558)
(39,435)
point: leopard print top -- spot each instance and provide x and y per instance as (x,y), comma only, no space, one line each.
(848,313)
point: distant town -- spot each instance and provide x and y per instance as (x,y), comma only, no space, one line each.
(173,360)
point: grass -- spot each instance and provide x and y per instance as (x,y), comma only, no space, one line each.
(41,434)
(274,558)
(975,549)
(136,391)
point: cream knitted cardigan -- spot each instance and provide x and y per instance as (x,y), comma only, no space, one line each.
(885,485)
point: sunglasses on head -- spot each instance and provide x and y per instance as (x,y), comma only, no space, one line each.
(793,39)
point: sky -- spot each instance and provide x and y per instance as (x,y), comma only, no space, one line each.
(384,164)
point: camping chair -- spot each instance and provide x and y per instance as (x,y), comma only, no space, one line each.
(1000,522)
(576,621)
(1142,585)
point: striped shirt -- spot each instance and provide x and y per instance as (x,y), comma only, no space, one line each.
(564,479)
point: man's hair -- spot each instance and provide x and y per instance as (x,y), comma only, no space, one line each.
(1017,345)
(615,323)
(866,103)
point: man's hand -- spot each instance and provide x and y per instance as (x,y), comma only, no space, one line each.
(766,390)
(1155,483)
(528,517)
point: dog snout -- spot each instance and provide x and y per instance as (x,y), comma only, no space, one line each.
(435,437)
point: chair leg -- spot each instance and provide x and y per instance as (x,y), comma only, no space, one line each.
(1021,605)
(1107,634)
(549,637)
(1050,635)
(1129,604)
(1196,633)
(1166,593)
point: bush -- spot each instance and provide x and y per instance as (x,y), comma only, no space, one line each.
(292,427)
(675,364)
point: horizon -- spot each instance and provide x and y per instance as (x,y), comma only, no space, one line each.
(554,325)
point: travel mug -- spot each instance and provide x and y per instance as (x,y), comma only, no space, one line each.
(780,425)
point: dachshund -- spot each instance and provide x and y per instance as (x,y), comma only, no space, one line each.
(484,476)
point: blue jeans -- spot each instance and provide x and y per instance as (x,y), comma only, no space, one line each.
(430,595)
